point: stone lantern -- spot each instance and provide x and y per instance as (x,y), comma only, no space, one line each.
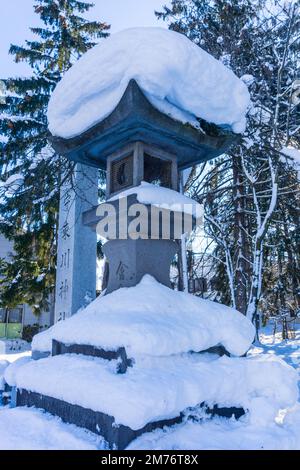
(137,143)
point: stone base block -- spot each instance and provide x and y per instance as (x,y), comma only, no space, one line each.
(129,260)
(117,436)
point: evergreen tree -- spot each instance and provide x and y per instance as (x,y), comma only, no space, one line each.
(29,209)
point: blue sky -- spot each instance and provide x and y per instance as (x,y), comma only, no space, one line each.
(16,16)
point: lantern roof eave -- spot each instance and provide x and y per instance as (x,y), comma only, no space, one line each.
(136,119)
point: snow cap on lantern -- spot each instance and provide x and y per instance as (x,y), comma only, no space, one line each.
(150,85)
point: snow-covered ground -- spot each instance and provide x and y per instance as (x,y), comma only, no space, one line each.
(10,349)
(289,350)
(33,429)
(23,429)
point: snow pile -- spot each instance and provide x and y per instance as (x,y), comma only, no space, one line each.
(178,77)
(292,420)
(29,429)
(152,319)
(11,370)
(164,198)
(15,351)
(161,388)
(3,366)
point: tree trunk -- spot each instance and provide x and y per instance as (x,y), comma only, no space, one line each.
(241,242)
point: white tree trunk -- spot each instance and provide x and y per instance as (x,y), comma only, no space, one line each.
(185,274)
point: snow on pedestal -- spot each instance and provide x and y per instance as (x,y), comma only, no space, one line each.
(177,76)
(161,388)
(160,329)
(163,198)
(11,370)
(154,320)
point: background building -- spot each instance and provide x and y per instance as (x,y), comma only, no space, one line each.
(13,320)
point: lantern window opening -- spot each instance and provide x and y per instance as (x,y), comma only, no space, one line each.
(157,171)
(122,173)
(140,162)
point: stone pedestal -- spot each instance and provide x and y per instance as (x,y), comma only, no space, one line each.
(129,260)
(76,258)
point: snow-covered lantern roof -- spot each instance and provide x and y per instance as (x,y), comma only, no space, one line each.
(148,85)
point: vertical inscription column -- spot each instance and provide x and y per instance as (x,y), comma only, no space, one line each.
(77,244)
